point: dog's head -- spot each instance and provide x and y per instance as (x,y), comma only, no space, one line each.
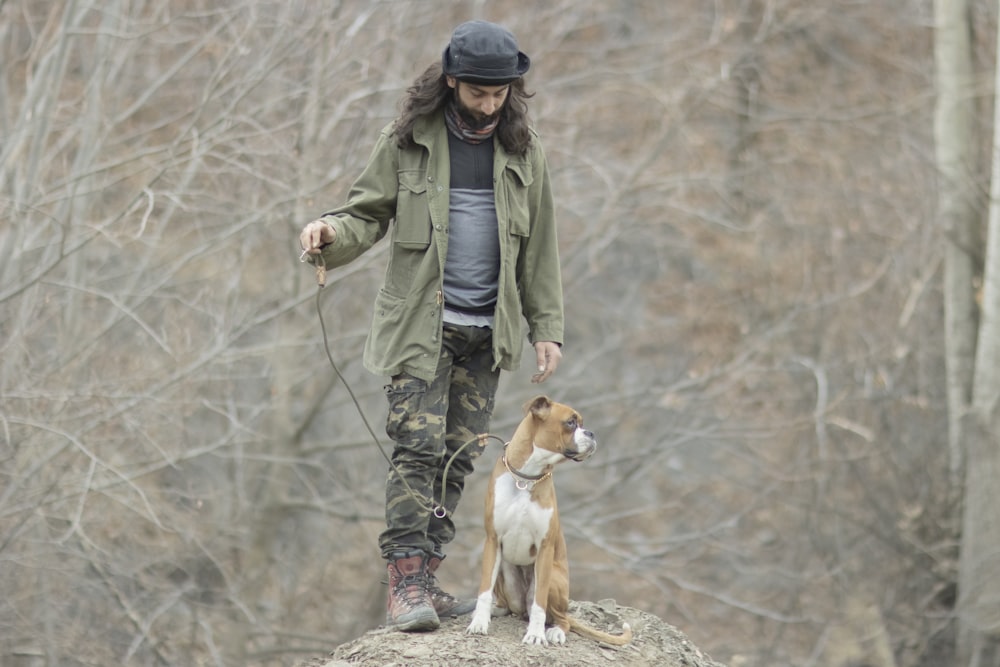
(558,429)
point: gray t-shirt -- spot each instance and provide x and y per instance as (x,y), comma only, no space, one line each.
(472,266)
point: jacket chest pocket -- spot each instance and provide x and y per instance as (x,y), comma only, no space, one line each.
(518,181)
(413,217)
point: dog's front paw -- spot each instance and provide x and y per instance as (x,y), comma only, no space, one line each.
(536,638)
(536,627)
(480,623)
(555,635)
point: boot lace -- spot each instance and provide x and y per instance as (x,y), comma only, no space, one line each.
(436,593)
(410,590)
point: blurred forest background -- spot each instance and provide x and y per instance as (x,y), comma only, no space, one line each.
(753,261)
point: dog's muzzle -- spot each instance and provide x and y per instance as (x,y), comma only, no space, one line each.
(585,444)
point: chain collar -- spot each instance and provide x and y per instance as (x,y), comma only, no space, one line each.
(522,481)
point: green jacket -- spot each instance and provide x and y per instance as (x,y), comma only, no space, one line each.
(410,187)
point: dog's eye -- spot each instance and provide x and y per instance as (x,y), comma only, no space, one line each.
(571,424)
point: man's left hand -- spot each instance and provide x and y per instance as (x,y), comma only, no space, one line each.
(547,356)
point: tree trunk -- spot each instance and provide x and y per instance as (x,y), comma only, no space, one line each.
(956,211)
(979,565)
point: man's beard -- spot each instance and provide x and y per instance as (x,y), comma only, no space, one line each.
(474,121)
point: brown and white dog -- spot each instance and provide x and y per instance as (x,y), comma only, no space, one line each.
(524,558)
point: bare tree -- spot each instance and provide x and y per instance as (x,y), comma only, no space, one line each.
(958,208)
(979,422)
(751,248)
(972,331)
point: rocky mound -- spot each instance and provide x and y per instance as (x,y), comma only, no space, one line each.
(655,644)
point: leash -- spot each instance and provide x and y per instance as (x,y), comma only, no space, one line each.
(439,509)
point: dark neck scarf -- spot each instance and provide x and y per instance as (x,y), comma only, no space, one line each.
(457,126)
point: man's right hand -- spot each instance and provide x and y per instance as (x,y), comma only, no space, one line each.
(315,235)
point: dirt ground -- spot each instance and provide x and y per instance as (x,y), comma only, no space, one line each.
(655,644)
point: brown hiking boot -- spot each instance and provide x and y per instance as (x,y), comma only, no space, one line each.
(444,603)
(410,608)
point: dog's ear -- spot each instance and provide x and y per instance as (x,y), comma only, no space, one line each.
(539,407)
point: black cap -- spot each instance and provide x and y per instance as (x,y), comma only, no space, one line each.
(484,53)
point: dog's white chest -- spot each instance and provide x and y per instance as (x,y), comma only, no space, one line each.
(521,524)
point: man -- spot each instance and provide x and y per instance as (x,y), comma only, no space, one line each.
(473,249)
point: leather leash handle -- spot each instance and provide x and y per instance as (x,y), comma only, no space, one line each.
(320,267)
(320,271)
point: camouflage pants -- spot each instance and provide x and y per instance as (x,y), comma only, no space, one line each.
(429,422)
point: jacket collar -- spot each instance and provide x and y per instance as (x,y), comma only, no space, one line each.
(430,129)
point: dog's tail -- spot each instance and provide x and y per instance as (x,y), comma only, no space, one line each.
(579,628)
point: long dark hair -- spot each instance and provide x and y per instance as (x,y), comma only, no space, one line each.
(430,92)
